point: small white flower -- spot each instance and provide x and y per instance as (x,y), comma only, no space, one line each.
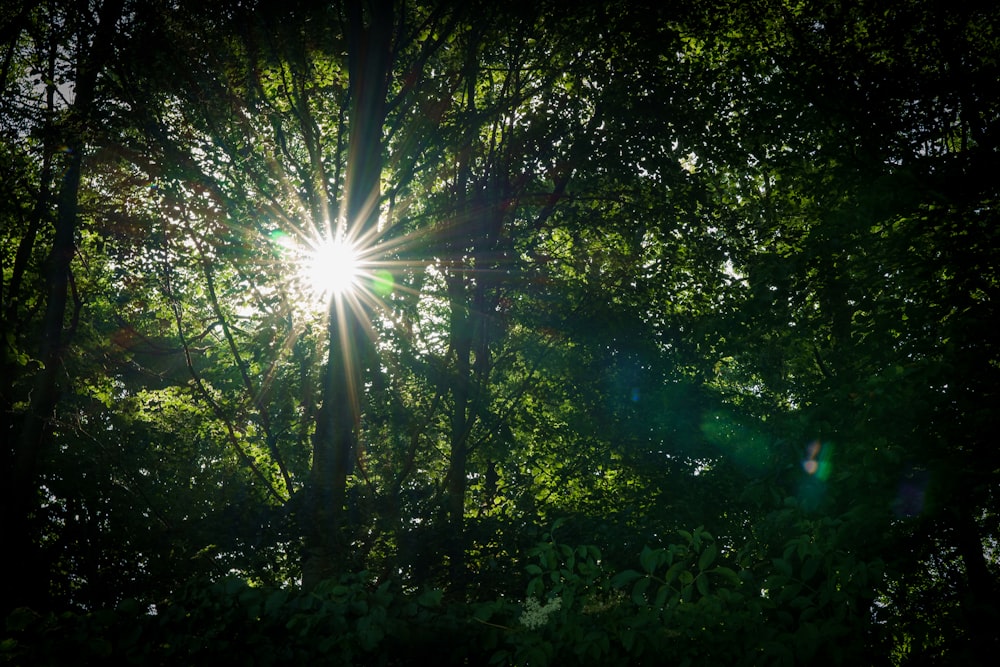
(535,615)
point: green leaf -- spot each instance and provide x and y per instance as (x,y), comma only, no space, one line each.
(485,611)
(430,598)
(661,596)
(726,573)
(702,583)
(639,591)
(674,570)
(648,560)
(625,578)
(707,557)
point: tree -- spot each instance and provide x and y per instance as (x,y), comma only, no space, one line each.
(26,447)
(625,271)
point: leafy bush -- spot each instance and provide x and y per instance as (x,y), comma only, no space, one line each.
(687,604)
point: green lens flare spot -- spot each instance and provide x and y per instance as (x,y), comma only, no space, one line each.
(382,283)
(281,240)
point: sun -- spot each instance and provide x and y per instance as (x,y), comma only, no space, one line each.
(332,267)
(349,271)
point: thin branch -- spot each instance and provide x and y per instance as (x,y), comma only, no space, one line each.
(247,382)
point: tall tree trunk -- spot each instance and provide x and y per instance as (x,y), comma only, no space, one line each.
(326,529)
(466,295)
(979,605)
(461,341)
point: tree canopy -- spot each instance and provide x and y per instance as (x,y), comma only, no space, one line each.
(512,333)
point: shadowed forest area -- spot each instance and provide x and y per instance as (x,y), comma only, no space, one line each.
(381,332)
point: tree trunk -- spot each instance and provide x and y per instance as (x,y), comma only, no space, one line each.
(980,606)
(461,341)
(326,529)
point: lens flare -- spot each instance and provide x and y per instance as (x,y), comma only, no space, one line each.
(382,282)
(817,462)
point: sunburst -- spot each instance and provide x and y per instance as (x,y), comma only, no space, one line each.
(323,268)
(333,271)
(332,267)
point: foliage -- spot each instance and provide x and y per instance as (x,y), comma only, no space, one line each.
(684,604)
(628,268)
(230,622)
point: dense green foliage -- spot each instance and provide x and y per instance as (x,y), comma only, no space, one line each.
(683,606)
(626,269)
